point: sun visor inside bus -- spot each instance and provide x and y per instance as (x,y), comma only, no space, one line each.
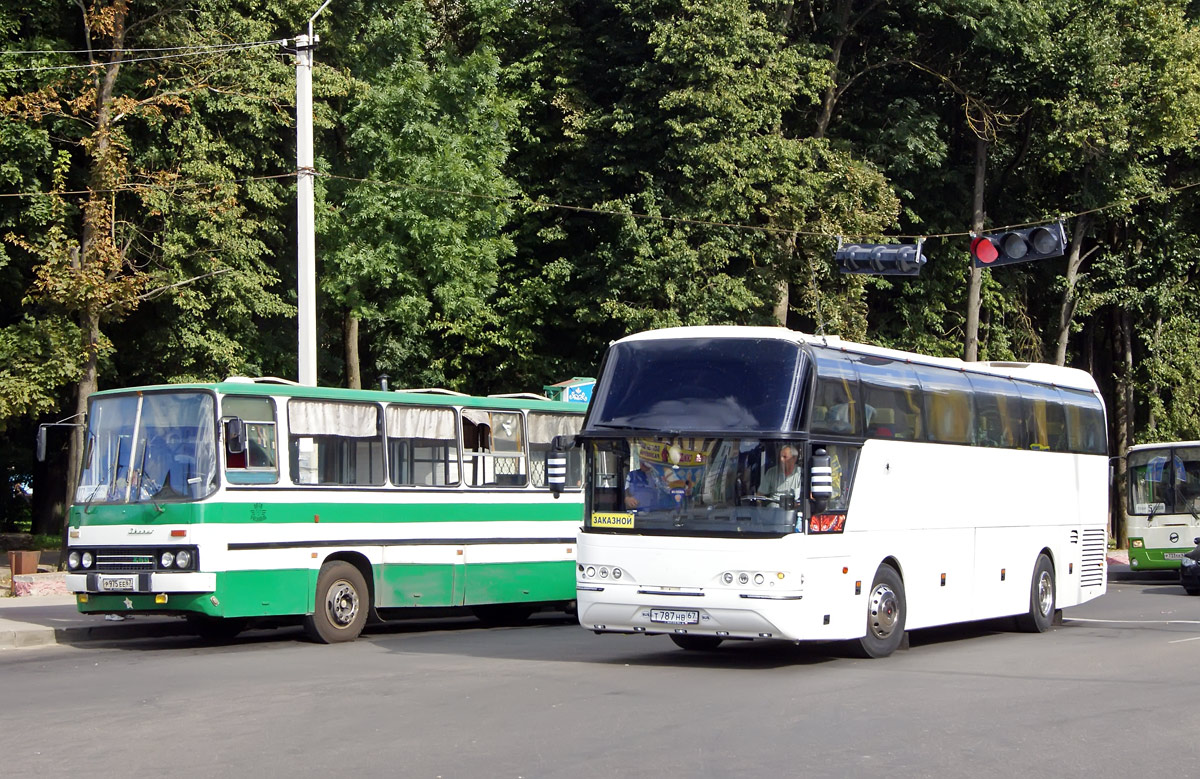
(699,384)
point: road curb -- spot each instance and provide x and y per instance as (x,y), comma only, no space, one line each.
(33,636)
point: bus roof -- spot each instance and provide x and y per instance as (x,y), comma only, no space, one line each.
(1162,445)
(429,397)
(1030,371)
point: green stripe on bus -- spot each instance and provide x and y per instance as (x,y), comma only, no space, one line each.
(325,512)
(292,591)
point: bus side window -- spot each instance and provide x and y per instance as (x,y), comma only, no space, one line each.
(891,384)
(494,448)
(335,443)
(835,405)
(1187,479)
(422,446)
(948,394)
(258,462)
(998,420)
(542,430)
(1045,416)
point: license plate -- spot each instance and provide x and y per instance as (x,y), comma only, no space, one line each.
(1173,555)
(118,583)
(673,617)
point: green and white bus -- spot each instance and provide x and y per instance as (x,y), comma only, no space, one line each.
(1162,516)
(260,498)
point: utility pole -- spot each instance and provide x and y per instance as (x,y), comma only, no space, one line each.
(306,241)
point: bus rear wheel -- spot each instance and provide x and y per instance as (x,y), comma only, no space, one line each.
(886,612)
(342,604)
(1041,598)
(696,643)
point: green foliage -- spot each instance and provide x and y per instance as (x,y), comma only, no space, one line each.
(511,186)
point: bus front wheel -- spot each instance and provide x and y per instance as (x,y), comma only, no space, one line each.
(886,612)
(341,607)
(1041,598)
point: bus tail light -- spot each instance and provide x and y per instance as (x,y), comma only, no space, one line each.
(827,523)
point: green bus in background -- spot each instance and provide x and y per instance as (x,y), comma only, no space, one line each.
(1162,516)
(260,498)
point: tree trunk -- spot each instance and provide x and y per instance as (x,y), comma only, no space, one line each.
(1153,389)
(1122,421)
(1066,311)
(353,369)
(96,250)
(971,339)
(842,14)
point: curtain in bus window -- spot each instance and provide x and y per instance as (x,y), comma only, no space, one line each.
(419,422)
(890,384)
(542,430)
(948,395)
(422,446)
(1086,430)
(998,415)
(1044,416)
(835,406)
(322,417)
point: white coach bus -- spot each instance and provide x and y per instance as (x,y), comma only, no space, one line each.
(748,483)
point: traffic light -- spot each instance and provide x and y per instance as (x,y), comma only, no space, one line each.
(1028,243)
(880,259)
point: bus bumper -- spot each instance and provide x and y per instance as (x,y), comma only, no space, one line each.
(116,584)
(781,615)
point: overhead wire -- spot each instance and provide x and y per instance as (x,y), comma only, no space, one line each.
(127,50)
(536,204)
(221,49)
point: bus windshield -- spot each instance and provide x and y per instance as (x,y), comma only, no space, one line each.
(718,385)
(149,447)
(695,486)
(1156,487)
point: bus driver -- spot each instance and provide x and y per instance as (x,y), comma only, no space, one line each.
(783,478)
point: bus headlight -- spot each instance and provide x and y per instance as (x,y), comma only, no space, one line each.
(727,578)
(183,558)
(1187,562)
(167,559)
(86,558)
(73,560)
(1136,543)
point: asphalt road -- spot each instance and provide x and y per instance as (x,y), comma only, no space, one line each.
(1111,692)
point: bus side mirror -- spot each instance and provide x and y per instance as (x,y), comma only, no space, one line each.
(556,463)
(820,478)
(235,435)
(41,444)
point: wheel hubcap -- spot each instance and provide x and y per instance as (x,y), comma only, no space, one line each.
(885,610)
(342,603)
(1045,593)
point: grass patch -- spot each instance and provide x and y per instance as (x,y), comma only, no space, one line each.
(27,542)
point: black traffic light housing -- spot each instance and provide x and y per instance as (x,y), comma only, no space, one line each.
(879,259)
(1011,246)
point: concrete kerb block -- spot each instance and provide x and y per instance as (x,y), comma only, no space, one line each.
(54,583)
